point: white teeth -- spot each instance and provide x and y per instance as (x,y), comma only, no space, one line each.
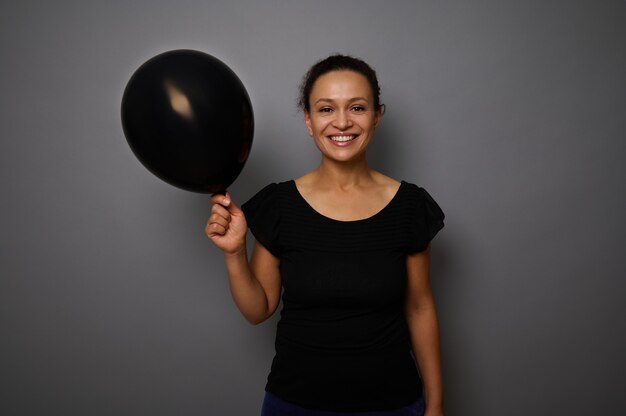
(342,138)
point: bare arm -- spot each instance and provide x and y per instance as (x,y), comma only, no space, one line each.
(255,284)
(421,317)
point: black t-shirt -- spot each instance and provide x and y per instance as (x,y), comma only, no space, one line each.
(342,342)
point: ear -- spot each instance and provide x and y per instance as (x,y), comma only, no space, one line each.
(378,115)
(307,121)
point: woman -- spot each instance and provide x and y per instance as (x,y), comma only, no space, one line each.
(349,248)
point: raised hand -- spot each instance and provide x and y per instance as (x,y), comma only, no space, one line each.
(226,226)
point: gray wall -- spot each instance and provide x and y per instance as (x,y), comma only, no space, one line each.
(511,113)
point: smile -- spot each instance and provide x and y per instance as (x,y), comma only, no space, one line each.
(342,139)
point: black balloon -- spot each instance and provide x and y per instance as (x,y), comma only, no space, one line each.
(188,119)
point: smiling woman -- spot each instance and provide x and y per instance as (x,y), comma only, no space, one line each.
(342,118)
(348,248)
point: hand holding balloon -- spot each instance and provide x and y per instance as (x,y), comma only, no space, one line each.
(188,119)
(227,225)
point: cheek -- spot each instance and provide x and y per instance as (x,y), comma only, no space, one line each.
(372,124)
(319,125)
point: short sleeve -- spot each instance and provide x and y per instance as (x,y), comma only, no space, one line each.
(263,217)
(427,220)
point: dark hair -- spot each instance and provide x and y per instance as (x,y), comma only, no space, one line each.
(337,62)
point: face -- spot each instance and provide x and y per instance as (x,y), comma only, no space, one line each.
(342,118)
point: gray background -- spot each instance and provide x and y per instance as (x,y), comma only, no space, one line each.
(511,113)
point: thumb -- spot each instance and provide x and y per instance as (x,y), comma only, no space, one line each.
(231,206)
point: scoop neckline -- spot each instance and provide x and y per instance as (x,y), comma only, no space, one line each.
(371,217)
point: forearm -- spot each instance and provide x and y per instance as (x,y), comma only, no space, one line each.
(425,342)
(247,292)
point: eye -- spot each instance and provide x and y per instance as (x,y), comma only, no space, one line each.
(325,110)
(358,108)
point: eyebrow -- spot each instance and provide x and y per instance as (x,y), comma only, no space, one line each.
(330,100)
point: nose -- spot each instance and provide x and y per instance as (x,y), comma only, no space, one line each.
(342,120)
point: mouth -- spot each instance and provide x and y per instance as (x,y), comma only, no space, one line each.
(342,138)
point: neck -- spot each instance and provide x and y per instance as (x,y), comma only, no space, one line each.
(343,175)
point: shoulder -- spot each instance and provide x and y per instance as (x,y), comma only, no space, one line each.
(272,189)
(422,202)
(426,216)
(305,181)
(412,189)
(418,199)
(386,185)
(384,179)
(269,196)
(263,215)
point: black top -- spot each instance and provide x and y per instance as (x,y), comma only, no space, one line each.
(342,342)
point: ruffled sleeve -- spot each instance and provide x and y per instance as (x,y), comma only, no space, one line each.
(263,217)
(427,220)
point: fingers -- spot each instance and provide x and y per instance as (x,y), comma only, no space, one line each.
(226,202)
(220,218)
(218,221)
(220,211)
(213,229)
(223,200)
